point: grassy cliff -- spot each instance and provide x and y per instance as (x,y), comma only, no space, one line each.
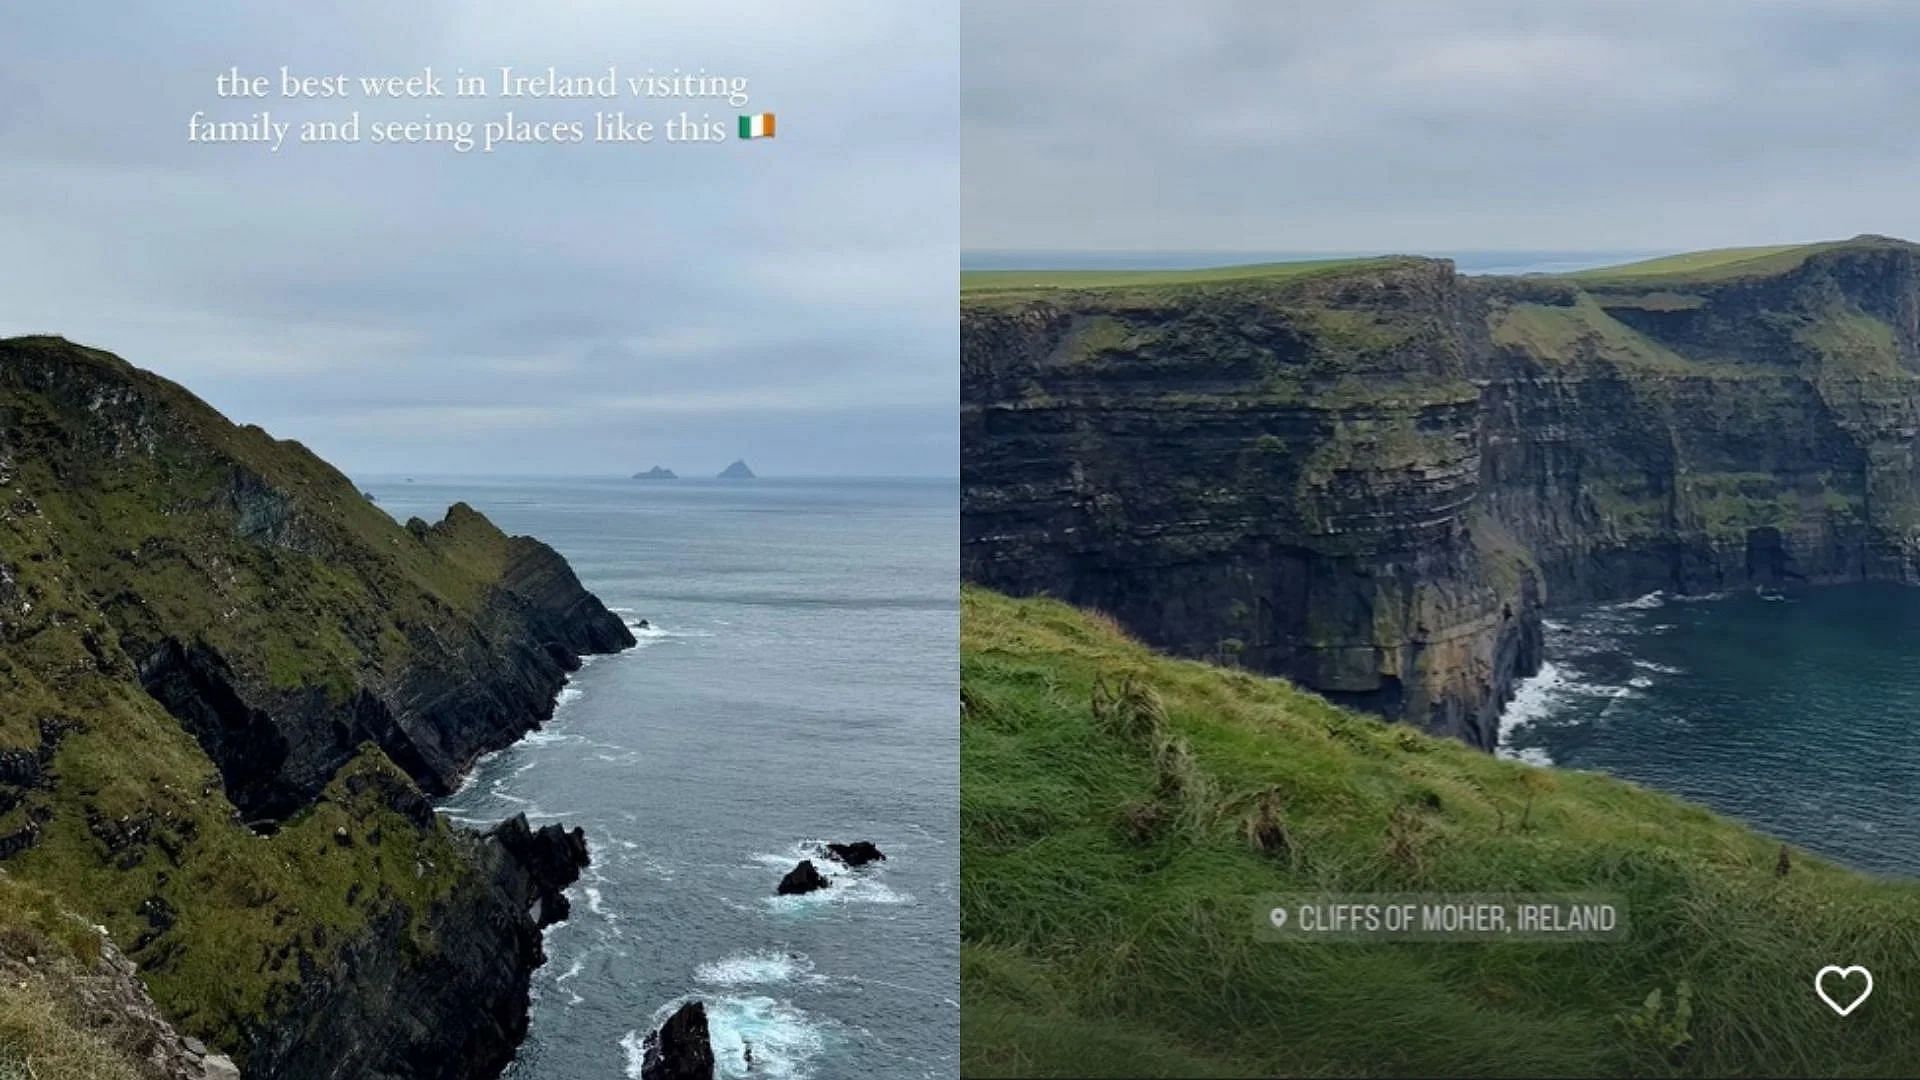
(1121,812)
(1371,476)
(978,284)
(227,684)
(70,1006)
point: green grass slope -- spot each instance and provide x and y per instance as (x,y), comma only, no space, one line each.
(983,282)
(125,527)
(1714,261)
(1727,264)
(1121,814)
(50,968)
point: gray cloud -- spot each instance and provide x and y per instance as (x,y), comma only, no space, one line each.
(1414,126)
(591,308)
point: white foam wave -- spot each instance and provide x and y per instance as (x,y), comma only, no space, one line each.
(1618,695)
(754,969)
(1658,669)
(752,1037)
(547,736)
(1533,701)
(845,885)
(781,1039)
(843,888)
(636,1052)
(1539,696)
(1643,603)
(597,905)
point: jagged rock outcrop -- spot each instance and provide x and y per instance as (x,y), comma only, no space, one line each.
(1371,478)
(228,683)
(680,1049)
(737,471)
(658,472)
(802,879)
(370,1007)
(857,854)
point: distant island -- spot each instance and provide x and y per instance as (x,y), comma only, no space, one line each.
(656,473)
(736,471)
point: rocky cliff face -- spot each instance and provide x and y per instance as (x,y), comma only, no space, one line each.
(227,684)
(1370,478)
(72,1006)
(379,1012)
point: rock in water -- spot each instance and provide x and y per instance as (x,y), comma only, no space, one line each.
(680,1050)
(803,879)
(737,471)
(859,853)
(552,859)
(656,473)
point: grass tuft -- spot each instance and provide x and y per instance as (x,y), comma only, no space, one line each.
(1122,813)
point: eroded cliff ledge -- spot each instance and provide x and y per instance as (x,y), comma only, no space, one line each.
(228,685)
(1371,476)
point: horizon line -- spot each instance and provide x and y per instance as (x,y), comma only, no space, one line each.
(1497,250)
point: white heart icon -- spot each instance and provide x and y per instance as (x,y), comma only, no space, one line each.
(1819,987)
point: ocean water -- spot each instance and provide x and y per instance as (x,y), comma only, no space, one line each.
(1796,712)
(1468,262)
(798,685)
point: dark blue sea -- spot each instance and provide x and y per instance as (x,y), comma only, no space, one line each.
(798,684)
(1796,712)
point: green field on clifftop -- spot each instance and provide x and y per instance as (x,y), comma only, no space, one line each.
(1723,264)
(1712,261)
(997,281)
(1121,814)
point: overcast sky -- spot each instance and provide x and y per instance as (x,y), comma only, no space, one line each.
(1361,125)
(555,309)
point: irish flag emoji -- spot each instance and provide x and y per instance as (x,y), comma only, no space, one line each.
(757,126)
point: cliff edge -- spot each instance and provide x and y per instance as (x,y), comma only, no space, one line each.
(228,685)
(1371,475)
